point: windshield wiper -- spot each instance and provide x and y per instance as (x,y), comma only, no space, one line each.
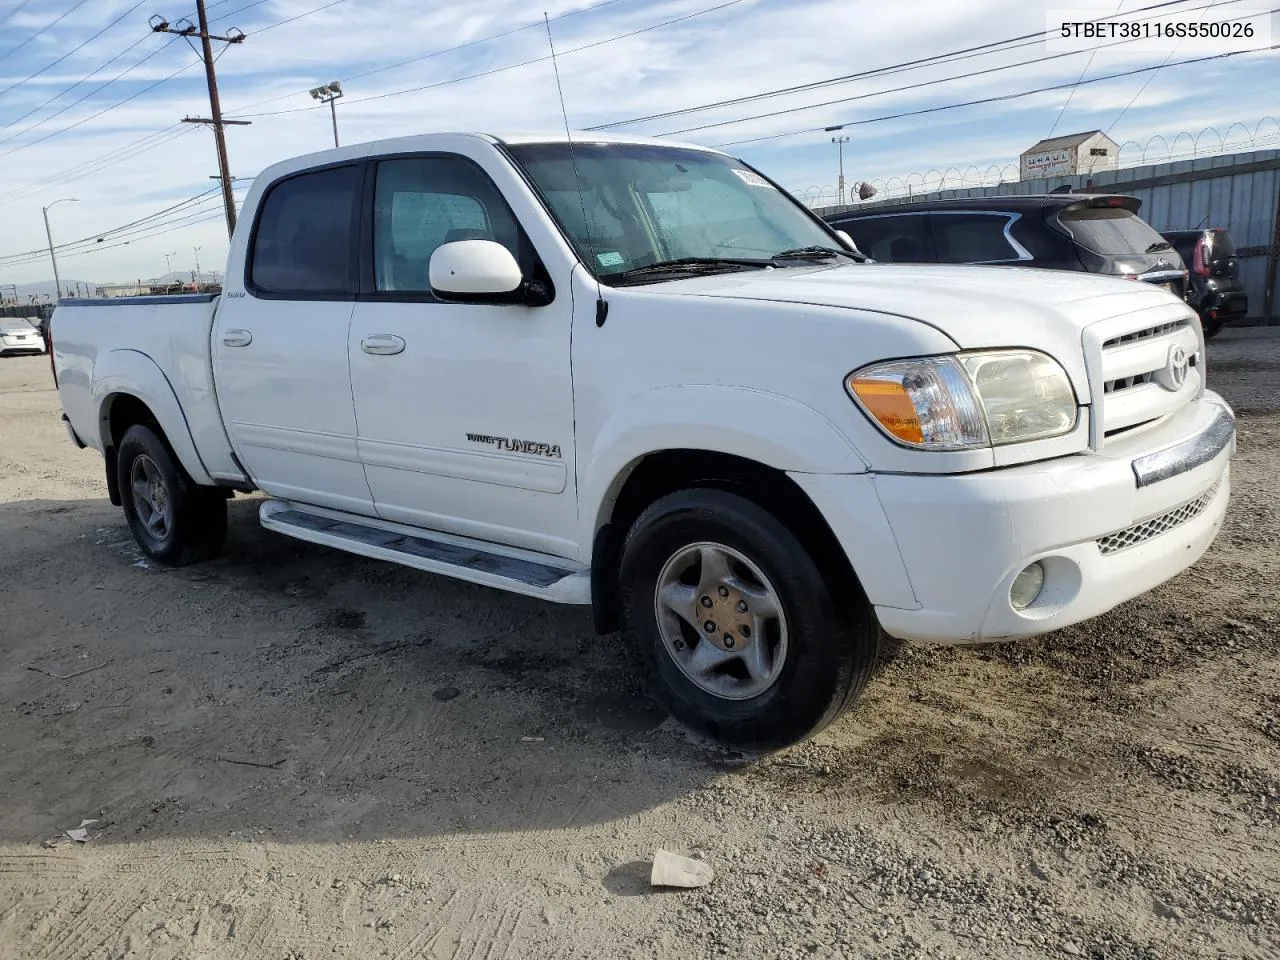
(1159,245)
(688,265)
(816,253)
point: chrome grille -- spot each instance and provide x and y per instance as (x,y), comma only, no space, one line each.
(1142,532)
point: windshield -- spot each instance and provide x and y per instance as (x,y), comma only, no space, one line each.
(643,204)
(1112,231)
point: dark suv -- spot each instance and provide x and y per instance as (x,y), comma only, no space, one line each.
(1093,233)
(1215,289)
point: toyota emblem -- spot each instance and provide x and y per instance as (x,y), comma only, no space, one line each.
(1176,370)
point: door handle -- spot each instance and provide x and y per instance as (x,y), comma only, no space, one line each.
(382,344)
(237,338)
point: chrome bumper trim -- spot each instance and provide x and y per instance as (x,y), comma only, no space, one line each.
(1188,454)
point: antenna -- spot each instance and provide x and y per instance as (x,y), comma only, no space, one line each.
(602,306)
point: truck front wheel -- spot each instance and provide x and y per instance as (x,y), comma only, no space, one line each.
(732,626)
(174,520)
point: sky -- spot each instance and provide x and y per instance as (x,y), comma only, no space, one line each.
(91,104)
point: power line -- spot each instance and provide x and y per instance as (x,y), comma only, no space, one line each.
(435,53)
(73,50)
(14,12)
(1143,88)
(12,50)
(206,218)
(1087,64)
(86,96)
(132,96)
(513,66)
(157,226)
(964,53)
(995,99)
(116,155)
(911,86)
(101,235)
(93,116)
(61,93)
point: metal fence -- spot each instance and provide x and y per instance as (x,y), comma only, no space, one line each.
(40,310)
(1240,192)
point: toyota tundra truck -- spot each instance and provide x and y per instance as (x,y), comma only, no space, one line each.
(640,376)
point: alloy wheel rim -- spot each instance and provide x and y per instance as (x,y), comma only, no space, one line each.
(721,621)
(151,500)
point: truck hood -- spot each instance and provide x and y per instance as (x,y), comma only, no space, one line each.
(976,307)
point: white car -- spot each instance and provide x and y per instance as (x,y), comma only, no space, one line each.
(638,376)
(19,336)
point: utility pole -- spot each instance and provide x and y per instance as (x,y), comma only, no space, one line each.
(328,94)
(160,25)
(840,142)
(57,281)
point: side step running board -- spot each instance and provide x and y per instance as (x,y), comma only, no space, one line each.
(518,571)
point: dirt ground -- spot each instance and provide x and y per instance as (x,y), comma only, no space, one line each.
(293,753)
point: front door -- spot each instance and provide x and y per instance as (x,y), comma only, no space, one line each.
(280,344)
(464,410)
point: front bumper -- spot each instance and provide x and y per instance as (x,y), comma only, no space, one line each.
(950,547)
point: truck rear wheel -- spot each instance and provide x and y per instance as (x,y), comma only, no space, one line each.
(732,626)
(174,520)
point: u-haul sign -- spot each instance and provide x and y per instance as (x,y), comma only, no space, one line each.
(1051,163)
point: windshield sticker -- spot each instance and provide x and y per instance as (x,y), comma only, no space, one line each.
(610,259)
(752,179)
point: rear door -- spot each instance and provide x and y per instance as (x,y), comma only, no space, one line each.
(280,344)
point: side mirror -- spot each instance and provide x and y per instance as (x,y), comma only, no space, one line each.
(476,270)
(848,241)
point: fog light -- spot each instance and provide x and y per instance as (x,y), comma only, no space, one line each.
(1026,586)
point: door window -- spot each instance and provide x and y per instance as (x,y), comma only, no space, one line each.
(972,238)
(423,202)
(892,239)
(302,243)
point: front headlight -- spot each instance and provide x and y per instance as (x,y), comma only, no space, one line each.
(967,400)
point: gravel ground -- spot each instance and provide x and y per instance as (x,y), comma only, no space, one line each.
(293,753)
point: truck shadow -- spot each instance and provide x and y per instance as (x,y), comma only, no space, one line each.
(295,692)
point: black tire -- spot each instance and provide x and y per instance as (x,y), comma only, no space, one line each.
(1212,328)
(197,516)
(832,640)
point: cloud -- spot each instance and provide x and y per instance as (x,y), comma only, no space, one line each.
(747,47)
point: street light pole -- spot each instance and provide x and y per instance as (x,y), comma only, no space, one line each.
(168,263)
(57,281)
(196,251)
(840,142)
(329,93)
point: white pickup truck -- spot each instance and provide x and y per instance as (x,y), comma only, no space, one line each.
(640,376)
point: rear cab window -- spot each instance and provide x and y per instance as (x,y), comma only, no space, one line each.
(303,243)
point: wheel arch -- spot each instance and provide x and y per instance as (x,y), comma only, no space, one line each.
(653,475)
(129,388)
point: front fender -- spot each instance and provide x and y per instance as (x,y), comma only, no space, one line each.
(764,427)
(135,374)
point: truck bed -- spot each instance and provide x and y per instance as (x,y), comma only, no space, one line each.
(158,346)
